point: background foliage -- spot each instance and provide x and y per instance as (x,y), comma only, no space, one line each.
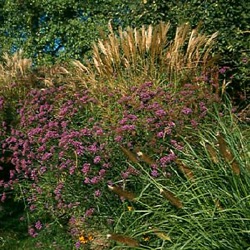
(51,31)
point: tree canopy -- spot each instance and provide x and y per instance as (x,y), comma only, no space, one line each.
(47,30)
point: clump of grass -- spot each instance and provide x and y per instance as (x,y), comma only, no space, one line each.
(13,67)
(209,212)
(15,74)
(18,76)
(145,54)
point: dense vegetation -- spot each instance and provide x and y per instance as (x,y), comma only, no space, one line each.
(51,31)
(131,141)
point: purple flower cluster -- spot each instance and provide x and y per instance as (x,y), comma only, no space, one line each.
(224,69)
(59,155)
(64,154)
(153,116)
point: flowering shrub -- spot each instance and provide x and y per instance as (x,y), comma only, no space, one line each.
(66,152)
(152,118)
(61,163)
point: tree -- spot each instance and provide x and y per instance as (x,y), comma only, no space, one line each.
(49,30)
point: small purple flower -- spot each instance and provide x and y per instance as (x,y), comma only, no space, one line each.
(58,189)
(194,123)
(123,121)
(124,99)
(93,148)
(171,124)
(154,173)
(72,221)
(38,225)
(168,158)
(106,165)
(84,99)
(46,156)
(99,131)
(72,170)
(164,160)
(3,197)
(203,107)
(118,138)
(64,124)
(125,175)
(102,172)
(78,244)
(86,168)
(160,113)
(186,111)
(145,96)
(97,193)
(150,120)
(89,212)
(176,145)
(32,207)
(95,180)
(43,169)
(160,134)
(12,174)
(97,159)
(132,117)
(32,232)
(224,69)
(128,127)
(87,180)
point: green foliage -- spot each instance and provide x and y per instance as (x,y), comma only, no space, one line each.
(50,30)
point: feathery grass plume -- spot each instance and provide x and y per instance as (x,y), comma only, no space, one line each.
(188,51)
(176,58)
(129,50)
(144,157)
(212,153)
(185,170)
(131,156)
(14,67)
(208,47)
(144,53)
(55,75)
(224,148)
(84,74)
(235,167)
(171,198)
(227,154)
(16,64)
(161,234)
(123,239)
(122,193)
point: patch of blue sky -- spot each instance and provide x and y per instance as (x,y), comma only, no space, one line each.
(57,46)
